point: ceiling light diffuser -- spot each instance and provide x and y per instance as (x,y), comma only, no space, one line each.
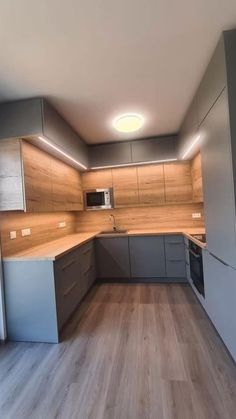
(128,122)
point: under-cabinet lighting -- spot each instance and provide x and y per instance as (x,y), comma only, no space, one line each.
(191,146)
(44,140)
(132,164)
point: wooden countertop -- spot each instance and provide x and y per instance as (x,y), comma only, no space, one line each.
(57,248)
(54,249)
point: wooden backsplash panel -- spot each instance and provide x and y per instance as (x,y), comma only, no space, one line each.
(44,227)
(166,216)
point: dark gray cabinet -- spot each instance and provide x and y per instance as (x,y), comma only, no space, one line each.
(41,295)
(152,149)
(175,257)
(147,150)
(147,257)
(112,258)
(213,82)
(110,154)
(36,117)
(218,183)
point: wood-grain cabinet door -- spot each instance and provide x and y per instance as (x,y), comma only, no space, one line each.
(151,184)
(66,187)
(125,187)
(37,178)
(196,170)
(178,182)
(97,179)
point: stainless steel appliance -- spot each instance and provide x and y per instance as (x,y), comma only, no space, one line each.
(196,267)
(99,199)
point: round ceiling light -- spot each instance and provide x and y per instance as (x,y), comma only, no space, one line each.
(128,122)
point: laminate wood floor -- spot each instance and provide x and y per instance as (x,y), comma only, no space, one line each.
(129,352)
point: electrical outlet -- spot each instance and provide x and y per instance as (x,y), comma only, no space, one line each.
(62,224)
(25,232)
(196,215)
(12,235)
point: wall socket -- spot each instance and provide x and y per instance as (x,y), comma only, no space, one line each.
(25,232)
(196,215)
(12,235)
(62,224)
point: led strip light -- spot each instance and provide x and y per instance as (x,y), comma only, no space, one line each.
(45,141)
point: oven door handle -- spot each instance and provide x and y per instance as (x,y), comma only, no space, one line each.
(193,253)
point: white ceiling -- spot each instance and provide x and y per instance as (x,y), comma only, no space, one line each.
(95,59)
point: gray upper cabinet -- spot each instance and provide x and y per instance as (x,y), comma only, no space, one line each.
(213,81)
(147,257)
(152,149)
(112,258)
(188,129)
(110,154)
(218,183)
(35,117)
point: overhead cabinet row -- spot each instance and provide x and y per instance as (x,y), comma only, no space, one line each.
(145,185)
(32,180)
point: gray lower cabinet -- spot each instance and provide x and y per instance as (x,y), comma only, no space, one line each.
(112,258)
(147,257)
(41,295)
(175,257)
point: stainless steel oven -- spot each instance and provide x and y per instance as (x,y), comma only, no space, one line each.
(98,199)
(196,267)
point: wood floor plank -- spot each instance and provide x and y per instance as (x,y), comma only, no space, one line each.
(143,351)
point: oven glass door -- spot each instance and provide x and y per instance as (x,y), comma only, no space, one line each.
(95,199)
(196,270)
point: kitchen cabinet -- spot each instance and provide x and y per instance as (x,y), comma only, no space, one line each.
(31,118)
(67,192)
(125,187)
(41,182)
(110,154)
(97,179)
(218,184)
(151,149)
(151,185)
(220,302)
(213,81)
(112,258)
(175,256)
(178,182)
(41,295)
(196,172)
(147,257)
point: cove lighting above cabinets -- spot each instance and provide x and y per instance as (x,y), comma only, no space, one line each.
(58,150)
(133,164)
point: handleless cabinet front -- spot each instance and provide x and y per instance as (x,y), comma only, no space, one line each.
(147,257)
(112,258)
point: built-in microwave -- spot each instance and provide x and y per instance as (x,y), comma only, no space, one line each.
(98,199)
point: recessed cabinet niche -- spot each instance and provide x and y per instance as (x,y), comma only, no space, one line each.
(33,181)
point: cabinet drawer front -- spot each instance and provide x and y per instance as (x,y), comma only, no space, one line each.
(64,263)
(87,256)
(174,248)
(176,268)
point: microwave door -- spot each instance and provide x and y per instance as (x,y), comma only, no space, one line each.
(95,199)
